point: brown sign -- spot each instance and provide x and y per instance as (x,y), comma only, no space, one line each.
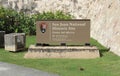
(70,32)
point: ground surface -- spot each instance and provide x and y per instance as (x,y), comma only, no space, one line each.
(14,70)
(107,65)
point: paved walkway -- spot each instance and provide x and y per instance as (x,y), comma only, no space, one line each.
(14,70)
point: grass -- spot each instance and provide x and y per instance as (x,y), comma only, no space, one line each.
(107,65)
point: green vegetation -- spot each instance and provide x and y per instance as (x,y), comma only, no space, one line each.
(12,21)
(107,65)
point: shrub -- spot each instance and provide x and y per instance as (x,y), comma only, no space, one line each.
(12,21)
(58,15)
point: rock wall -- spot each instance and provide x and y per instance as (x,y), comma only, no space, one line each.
(106,23)
(104,15)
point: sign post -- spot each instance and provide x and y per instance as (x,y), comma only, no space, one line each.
(64,38)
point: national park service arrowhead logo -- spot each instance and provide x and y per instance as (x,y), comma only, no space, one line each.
(43,27)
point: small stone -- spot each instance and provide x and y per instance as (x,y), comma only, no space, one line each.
(81,69)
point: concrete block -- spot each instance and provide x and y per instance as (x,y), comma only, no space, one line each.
(2,33)
(84,52)
(15,41)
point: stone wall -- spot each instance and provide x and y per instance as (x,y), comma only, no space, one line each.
(104,15)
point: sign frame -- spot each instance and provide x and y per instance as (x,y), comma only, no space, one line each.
(47,29)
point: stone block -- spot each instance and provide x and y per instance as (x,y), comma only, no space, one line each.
(15,41)
(84,52)
(2,33)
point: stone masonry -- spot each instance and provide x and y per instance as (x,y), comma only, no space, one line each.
(84,52)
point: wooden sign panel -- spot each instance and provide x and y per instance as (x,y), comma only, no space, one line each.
(57,32)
